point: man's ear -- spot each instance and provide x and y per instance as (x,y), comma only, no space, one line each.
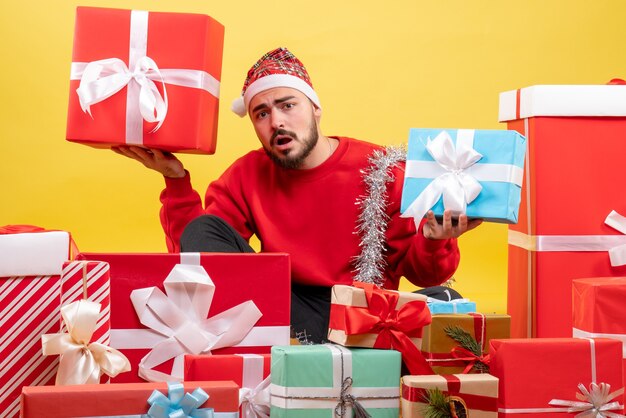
(317,111)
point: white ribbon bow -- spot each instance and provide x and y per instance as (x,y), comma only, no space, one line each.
(181,317)
(617,254)
(103,78)
(457,187)
(82,362)
(593,403)
(255,403)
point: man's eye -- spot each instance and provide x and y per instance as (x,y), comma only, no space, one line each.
(288,105)
(261,115)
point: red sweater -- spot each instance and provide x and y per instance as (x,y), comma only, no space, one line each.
(312,215)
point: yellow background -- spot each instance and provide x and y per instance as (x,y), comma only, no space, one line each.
(378,69)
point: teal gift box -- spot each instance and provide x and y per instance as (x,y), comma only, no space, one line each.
(477,172)
(328,381)
(451,307)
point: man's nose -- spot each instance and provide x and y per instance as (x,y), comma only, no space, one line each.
(277,119)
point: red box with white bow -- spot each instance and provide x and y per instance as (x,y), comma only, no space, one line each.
(250,371)
(160,304)
(145,78)
(574,162)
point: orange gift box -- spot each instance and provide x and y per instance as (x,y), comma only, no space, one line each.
(439,348)
(534,372)
(574,133)
(175,58)
(116,399)
(476,392)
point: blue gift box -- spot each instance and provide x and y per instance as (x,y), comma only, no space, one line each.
(477,172)
(451,307)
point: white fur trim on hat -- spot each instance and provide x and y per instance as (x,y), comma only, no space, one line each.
(240,104)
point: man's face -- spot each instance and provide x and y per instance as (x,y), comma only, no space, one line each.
(286,123)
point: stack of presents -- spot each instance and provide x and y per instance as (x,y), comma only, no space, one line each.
(207,335)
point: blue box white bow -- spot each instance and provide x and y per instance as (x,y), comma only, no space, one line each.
(477,172)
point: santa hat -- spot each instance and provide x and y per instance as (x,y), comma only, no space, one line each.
(277,68)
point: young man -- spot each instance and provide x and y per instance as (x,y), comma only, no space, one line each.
(298,194)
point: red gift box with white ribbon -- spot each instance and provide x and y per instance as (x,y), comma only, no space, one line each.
(145,78)
(250,371)
(164,306)
(574,160)
(31,261)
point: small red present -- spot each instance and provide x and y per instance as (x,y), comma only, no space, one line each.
(197,287)
(153,80)
(250,371)
(546,376)
(599,309)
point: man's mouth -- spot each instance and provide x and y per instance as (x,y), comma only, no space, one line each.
(283,140)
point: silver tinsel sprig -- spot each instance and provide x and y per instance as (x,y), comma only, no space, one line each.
(373,218)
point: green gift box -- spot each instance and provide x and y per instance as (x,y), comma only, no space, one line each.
(328,381)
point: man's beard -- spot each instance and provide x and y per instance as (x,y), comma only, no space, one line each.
(294,159)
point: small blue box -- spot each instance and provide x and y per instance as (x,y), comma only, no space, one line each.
(491,162)
(451,307)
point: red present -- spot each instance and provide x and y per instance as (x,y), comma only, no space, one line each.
(250,371)
(534,372)
(239,278)
(30,267)
(364,315)
(180,55)
(599,309)
(123,399)
(576,132)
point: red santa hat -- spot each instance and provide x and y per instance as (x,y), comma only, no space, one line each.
(277,68)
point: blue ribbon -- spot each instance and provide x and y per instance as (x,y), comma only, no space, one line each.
(177,404)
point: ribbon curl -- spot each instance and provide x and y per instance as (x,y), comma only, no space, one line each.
(82,362)
(346,399)
(466,355)
(457,187)
(180,317)
(103,78)
(394,327)
(594,402)
(255,403)
(178,404)
(617,254)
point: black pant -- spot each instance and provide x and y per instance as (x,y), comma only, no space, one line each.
(310,305)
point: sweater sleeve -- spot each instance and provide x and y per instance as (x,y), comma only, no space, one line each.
(180,204)
(422,261)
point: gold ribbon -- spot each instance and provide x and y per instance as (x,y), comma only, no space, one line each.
(82,362)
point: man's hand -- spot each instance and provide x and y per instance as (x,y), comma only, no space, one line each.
(434,230)
(163,162)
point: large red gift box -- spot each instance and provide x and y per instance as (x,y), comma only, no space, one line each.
(175,59)
(534,372)
(574,160)
(249,371)
(126,399)
(30,282)
(261,278)
(600,309)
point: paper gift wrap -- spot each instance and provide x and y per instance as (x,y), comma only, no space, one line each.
(477,172)
(575,134)
(600,309)
(237,281)
(477,393)
(445,355)
(534,372)
(364,315)
(30,284)
(250,372)
(316,381)
(126,399)
(153,80)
